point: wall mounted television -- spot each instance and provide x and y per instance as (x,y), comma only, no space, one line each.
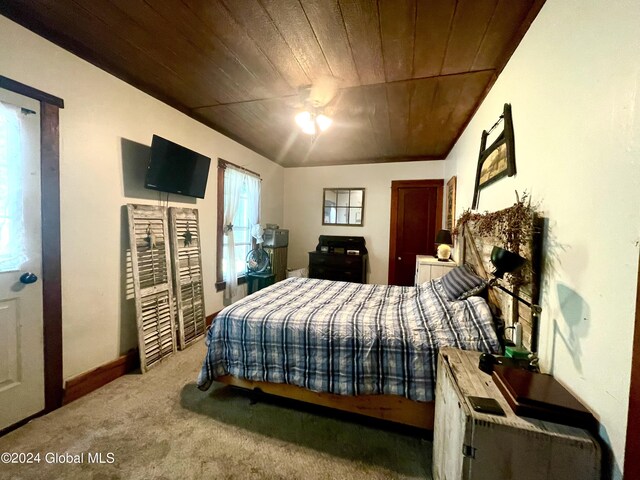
(176,169)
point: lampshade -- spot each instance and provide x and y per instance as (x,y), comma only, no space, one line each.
(505,261)
(444,236)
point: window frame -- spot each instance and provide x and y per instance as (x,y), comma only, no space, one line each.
(220,283)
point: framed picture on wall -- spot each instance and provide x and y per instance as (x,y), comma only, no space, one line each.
(451,204)
(498,160)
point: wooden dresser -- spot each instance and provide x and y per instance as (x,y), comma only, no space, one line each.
(339,258)
(477,446)
(429,267)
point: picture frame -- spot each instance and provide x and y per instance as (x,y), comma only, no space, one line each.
(498,160)
(451,204)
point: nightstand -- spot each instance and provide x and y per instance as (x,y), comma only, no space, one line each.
(257,281)
(429,267)
(477,446)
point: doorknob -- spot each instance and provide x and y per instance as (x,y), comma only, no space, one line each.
(399,258)
(28,278)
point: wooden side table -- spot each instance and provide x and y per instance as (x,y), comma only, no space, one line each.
(257,281)
(477,446)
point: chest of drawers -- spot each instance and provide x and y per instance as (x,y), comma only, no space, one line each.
(338,266)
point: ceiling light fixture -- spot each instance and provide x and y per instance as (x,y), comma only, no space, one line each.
(311,122)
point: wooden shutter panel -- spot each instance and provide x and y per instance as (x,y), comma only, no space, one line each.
(187,274)
(149,242)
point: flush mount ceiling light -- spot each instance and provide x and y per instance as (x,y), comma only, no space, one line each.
(312,123)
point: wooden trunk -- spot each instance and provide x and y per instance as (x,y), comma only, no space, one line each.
(477,446)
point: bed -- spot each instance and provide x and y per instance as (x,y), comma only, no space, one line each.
(368,349)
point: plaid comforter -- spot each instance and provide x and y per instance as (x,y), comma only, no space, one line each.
(345,338)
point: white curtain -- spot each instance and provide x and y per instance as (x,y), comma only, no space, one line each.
(12,244)
(233,179)
(253,192)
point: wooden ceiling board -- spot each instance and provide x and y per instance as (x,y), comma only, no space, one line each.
(261,121)
(269,134)
(399,97)
(165,47)
(467,31)
(502,28)
(363,29)
(326,21)
(226,120)
(511,46)
(397,27)
(352,118)
(423,120)
(215,65)
(471,92)
(437,110)
(111,18)
(91,33)
(433,23)
(411,72)
(266,123)
(258,25)
(292,23)
(378,113)
(217,29)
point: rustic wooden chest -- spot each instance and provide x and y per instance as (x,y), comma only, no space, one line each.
(479,446)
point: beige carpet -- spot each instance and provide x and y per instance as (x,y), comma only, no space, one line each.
(160,426)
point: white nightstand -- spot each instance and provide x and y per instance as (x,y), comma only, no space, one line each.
(429,267)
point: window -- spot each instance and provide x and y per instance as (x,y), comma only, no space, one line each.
(12,251)
(239,199)
(241,234)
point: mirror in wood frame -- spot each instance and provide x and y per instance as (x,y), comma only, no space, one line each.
(343,206)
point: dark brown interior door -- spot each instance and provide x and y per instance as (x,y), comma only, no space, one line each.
(416,217)
(632,448)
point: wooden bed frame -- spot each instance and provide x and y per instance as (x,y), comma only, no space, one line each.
(392,408)
(475,250)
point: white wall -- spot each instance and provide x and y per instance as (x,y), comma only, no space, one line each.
(303,207)
(105,128)
(573,84)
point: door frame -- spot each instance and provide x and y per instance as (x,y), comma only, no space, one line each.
(632,445)
(51,258)
(395,185)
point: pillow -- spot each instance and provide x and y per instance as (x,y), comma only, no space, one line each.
(461,283)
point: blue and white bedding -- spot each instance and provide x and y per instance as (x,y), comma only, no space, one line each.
(345,338)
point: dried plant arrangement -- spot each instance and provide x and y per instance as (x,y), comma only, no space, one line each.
(512,227)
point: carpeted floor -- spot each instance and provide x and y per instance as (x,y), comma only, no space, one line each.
(160,426)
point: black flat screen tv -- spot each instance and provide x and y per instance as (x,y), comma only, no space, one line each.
(176,169)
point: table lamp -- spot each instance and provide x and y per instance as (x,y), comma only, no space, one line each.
(508,262)
(444,241)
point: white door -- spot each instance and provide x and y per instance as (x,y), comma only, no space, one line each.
(21,340)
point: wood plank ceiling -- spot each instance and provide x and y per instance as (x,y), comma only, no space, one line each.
(411,73)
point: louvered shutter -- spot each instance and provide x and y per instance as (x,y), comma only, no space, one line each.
(149,242)
(187,274)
